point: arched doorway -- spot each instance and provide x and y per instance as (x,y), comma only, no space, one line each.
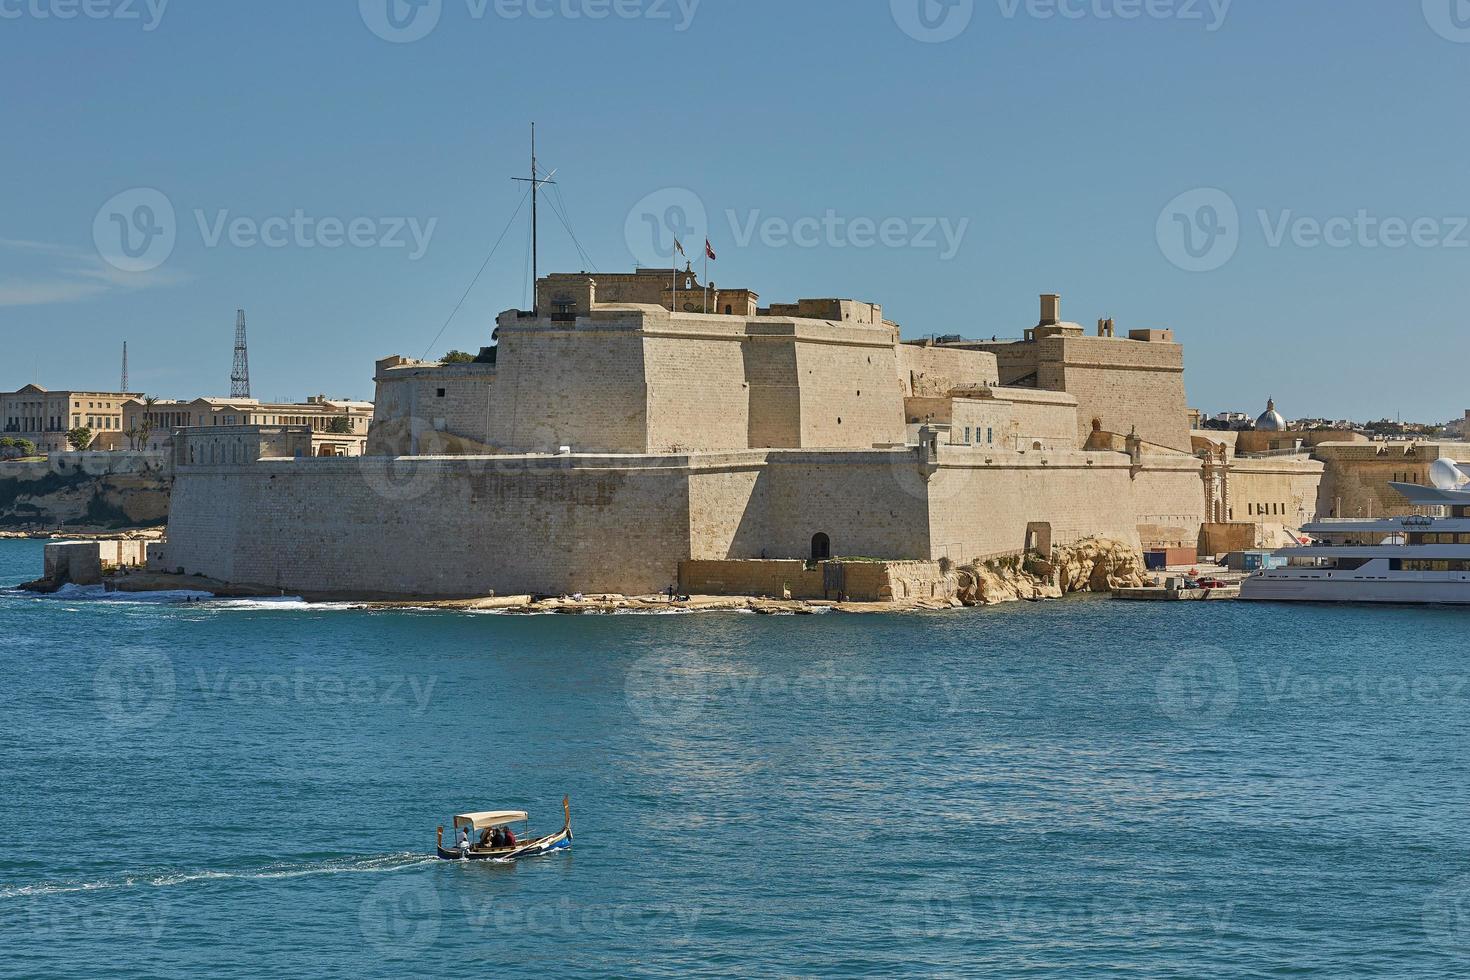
(821,547)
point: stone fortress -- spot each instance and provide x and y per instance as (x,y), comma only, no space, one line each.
(617,433)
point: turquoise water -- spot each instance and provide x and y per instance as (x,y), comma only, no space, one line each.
(1082,788)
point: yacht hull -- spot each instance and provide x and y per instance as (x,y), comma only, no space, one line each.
(1280,588)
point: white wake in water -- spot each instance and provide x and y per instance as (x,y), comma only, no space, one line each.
(378,864)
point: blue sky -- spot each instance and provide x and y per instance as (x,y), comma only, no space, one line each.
(1280,181)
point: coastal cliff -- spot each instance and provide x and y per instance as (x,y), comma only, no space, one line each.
(85,491)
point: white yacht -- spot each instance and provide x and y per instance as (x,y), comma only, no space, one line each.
(1424,558)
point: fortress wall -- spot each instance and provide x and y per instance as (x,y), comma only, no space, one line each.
(870,504)
(583,388)
(729,510)
(414,400)
(1274,491)
(775,395)
(849,396)
(1169,501)
(443,527)
(1018,418)
(1014,361)
(981,510)
(929,372)
(1356,480)
(1124,383)
(205,517)
(697,397)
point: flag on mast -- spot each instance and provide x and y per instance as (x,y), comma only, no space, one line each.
(709,251)
(678,245)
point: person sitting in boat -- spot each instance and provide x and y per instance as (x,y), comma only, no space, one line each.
(487,839)
(508,838)
(464,838)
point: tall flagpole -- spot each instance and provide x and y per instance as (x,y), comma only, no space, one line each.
(706,275)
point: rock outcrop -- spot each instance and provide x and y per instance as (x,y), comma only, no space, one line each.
(1091,565)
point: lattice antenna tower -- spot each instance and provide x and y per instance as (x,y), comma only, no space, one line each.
(240,376)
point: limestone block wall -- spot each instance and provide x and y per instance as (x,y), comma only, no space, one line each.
(850,396)
(936,371)
(1125,383)
(434,527)
(869,504)
(1356,479)
(419,397)
(698,399)
(1274,491)
(775,394)
(982,502)
(1017,418)
(583,387)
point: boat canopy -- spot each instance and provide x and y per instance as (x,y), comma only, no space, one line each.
(486,821)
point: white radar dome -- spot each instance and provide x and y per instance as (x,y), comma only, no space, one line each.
(1445,475)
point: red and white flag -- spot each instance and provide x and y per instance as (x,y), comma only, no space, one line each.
(709,250)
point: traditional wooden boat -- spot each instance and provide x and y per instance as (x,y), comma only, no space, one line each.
(482,825)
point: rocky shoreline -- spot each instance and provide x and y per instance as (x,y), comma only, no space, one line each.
(83,534)
(1091,566)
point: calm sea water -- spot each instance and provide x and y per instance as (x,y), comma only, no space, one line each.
(1083,788)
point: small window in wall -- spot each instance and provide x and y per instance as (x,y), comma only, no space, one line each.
(967,435)
(441,393)
(729,310)
(990,437)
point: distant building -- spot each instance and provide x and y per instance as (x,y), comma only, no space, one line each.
(338,427)
(45,417)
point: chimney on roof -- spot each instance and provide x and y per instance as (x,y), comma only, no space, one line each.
(1051,309)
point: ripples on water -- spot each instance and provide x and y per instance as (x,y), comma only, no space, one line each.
(1074,789)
